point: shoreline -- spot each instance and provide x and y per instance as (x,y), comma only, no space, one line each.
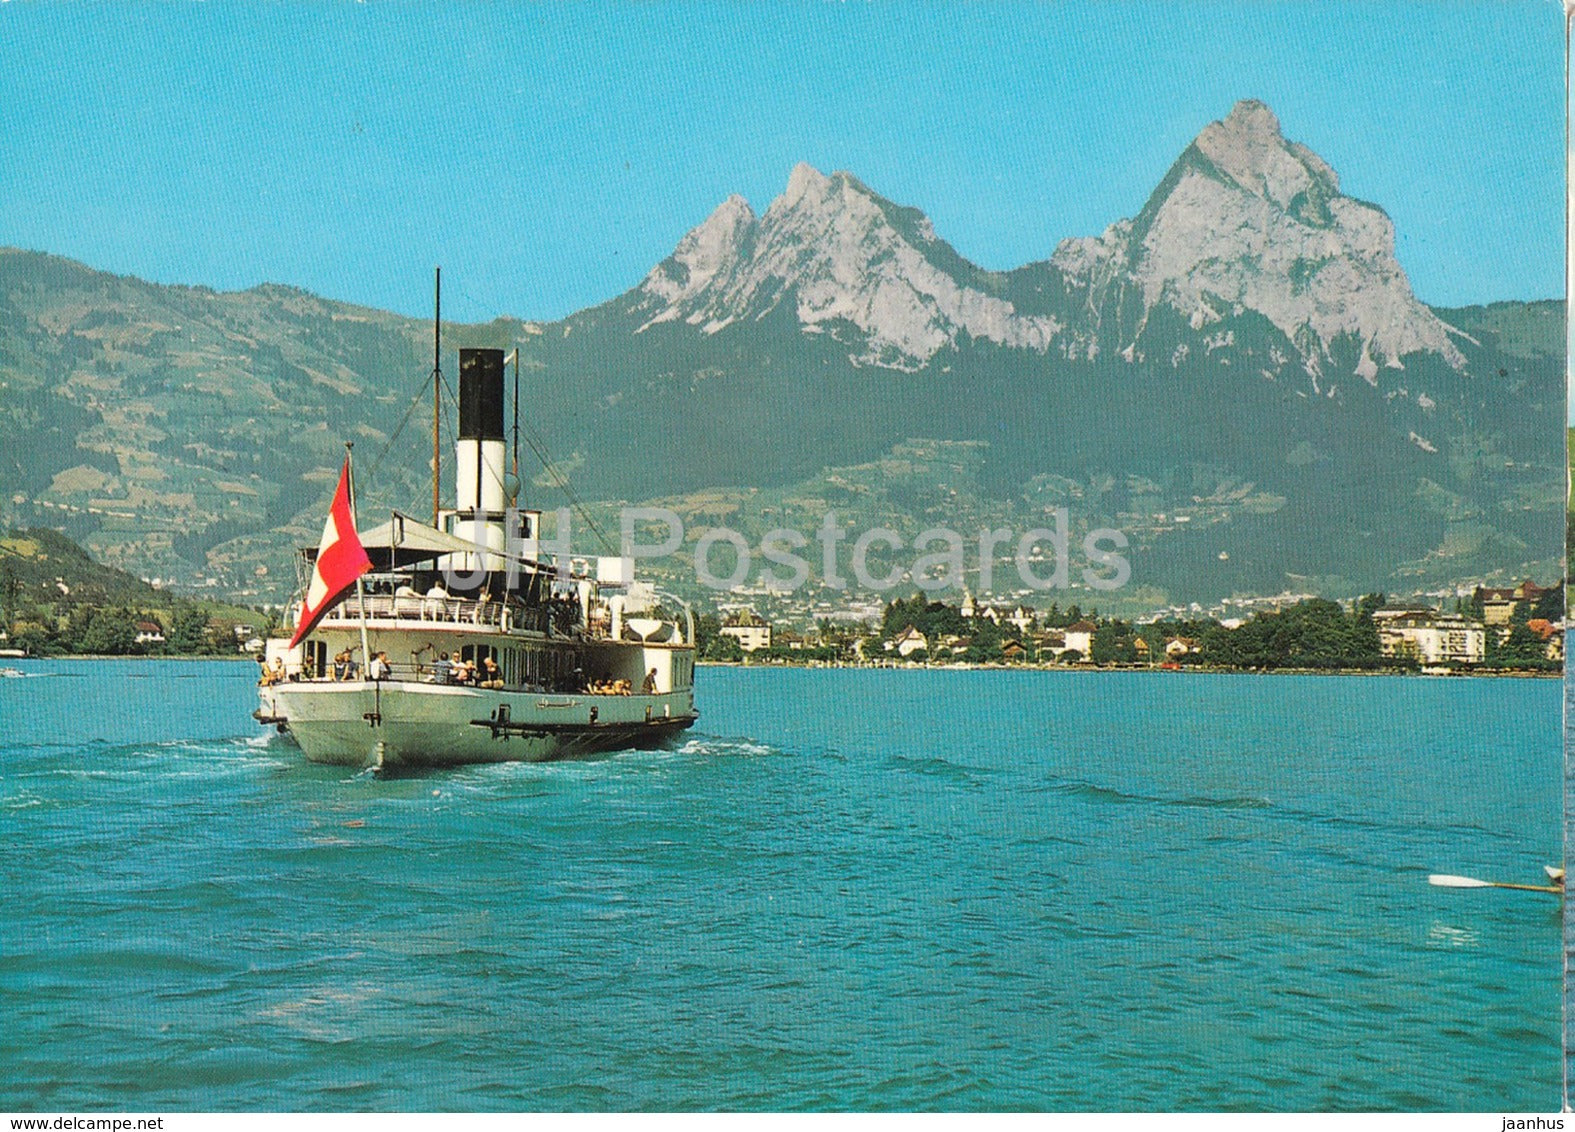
(4,661)
(1084,669)
(1199,669)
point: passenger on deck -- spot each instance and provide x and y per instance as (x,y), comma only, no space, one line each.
(491,677)
(648,685)
(442,671)
(433,606)
(278,670)
(352,667)
(264,677)
(406,600)
(342,665)
(379,668)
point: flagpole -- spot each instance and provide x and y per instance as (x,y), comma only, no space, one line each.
(360,590)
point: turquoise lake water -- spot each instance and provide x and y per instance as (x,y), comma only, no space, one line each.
(843,890)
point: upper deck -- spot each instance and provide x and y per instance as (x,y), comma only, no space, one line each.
(554,619)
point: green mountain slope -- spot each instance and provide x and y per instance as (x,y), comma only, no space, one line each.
(1239,378)
(1367,488)
(185,434)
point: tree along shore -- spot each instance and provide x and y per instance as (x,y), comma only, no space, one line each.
(1310,635)
(56,600)
(1164,670)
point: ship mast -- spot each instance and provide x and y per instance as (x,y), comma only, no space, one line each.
(360,590)
(437,387)
(518,486)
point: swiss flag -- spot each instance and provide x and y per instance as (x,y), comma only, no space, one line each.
(341,559)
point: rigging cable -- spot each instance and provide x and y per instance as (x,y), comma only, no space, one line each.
(370,474)
(538,446)
(535,443)
(419,397)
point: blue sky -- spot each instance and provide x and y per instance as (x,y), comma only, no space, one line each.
(548,156)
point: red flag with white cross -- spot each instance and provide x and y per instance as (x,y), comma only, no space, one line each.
(341,559)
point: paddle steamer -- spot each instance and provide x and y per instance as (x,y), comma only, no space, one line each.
(470,588)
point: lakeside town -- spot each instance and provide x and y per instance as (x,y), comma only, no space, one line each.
(1490,629)
(55,600)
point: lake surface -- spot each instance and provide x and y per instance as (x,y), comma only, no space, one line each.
(843,890)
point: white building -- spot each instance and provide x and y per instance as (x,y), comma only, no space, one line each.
(748,628)
(1180,646)
(1022,619)
(908,642)
(1080,637)
(1429,638)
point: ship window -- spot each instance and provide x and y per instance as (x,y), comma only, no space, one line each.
(475,654)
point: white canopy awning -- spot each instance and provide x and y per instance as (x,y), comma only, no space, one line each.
(403,541)
(411,539)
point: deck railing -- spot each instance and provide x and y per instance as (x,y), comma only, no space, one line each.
(410,607)
(557,618)
(427,674)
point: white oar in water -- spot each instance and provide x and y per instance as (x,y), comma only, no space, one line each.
(1443,880)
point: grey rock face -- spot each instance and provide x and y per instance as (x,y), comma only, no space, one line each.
(1244,222)
(848,261)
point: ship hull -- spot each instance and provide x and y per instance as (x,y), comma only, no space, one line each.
(394,724)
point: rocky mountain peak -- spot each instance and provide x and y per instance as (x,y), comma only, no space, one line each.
(852,264)
(816,207)
(1248,222)
(805,182)
(1248,148)
(707,251)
